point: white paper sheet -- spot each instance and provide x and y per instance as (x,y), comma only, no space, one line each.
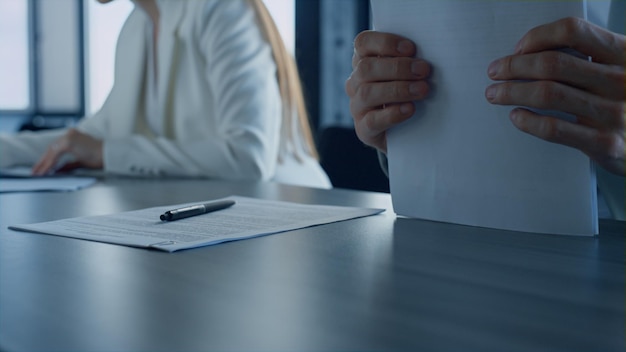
(20,179)
(249,217)
(460,159)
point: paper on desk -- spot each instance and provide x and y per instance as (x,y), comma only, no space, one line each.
(249,217)
(460,159)
(21,180)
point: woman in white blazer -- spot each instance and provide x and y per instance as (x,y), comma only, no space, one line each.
(203,88)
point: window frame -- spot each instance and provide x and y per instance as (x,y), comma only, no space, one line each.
(35,111)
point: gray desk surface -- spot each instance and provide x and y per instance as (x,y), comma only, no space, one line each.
(376,283)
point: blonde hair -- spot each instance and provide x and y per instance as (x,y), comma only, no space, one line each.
(295,128)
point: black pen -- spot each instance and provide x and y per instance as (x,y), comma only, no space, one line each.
(197,209)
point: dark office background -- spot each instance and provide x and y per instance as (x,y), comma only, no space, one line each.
(325,30)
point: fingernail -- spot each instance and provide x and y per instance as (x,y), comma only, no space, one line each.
(490,93)
(405,47)
(405,108)
(494,68)
(418,68)
(514,116)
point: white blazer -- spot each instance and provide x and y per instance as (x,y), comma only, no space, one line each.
(219,107)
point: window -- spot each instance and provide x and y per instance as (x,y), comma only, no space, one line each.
(104,23)
(59,76)
(15,56)
(284,14)
(53,69)
(41,66)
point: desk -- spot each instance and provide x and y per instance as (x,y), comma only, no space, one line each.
(376,283)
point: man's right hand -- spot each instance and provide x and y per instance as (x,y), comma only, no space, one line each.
(386,79)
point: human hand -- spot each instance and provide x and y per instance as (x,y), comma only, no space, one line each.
(541,77)
(385,81)
(86,150)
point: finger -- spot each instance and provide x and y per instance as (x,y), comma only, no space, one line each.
(50,158)
(355,59)
(602,45)
(372,43)
(606,148)
(374,95)
(388,69)
(600,79)
(372,128)
(556,96)
(45,164)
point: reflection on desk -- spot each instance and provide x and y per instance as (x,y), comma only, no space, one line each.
(377,283)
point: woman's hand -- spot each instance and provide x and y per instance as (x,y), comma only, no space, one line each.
(385,81)
(540,76)
(86,152)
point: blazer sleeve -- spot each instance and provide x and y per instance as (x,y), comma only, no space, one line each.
(25,148)
(240,74)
